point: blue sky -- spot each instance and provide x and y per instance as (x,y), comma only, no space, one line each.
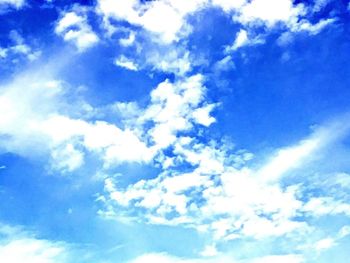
(170,131)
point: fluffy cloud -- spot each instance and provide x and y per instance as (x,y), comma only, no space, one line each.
(147,15)
(176,107)
(73,27)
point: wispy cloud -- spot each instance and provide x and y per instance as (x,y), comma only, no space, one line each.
(229,202)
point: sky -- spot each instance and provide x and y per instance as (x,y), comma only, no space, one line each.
(170,131)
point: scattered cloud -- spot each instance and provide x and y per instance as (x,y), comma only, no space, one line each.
(216,197)
(73,27)
(201,183)
(18,48)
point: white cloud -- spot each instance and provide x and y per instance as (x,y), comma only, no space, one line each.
(172,105)
(18,246)
(231,198)
(264,14)
(227,209)
(125,42)
(165,258)
(66,158)
(241,39)
(148,15)
(50,132)
(14,3)
(344,231)
(269,12)
(320,4)
(224,64)
(202,115)
(124,62)
(171,59)
(18,48)
(292,157)
(289,158)
(209,251)
(324,244)
(324,206)
(31,251)
(280,258)
(229,5)
(75,28)
(312,29)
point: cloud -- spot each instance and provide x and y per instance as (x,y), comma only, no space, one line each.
(228,5)
(313,29)
(163,46)
(13,3)
(147,15)
(19,48)
(176,107)
(53,131)
(42,109)
(31,251)
(18,246)
(73,27)
(224,64)
(243,40)
(322,206)
(320,4)
(125,42)
(293,157)
(280,258)
(324,244)
(165,258)
(124,62)
(217,198)
(269,12)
